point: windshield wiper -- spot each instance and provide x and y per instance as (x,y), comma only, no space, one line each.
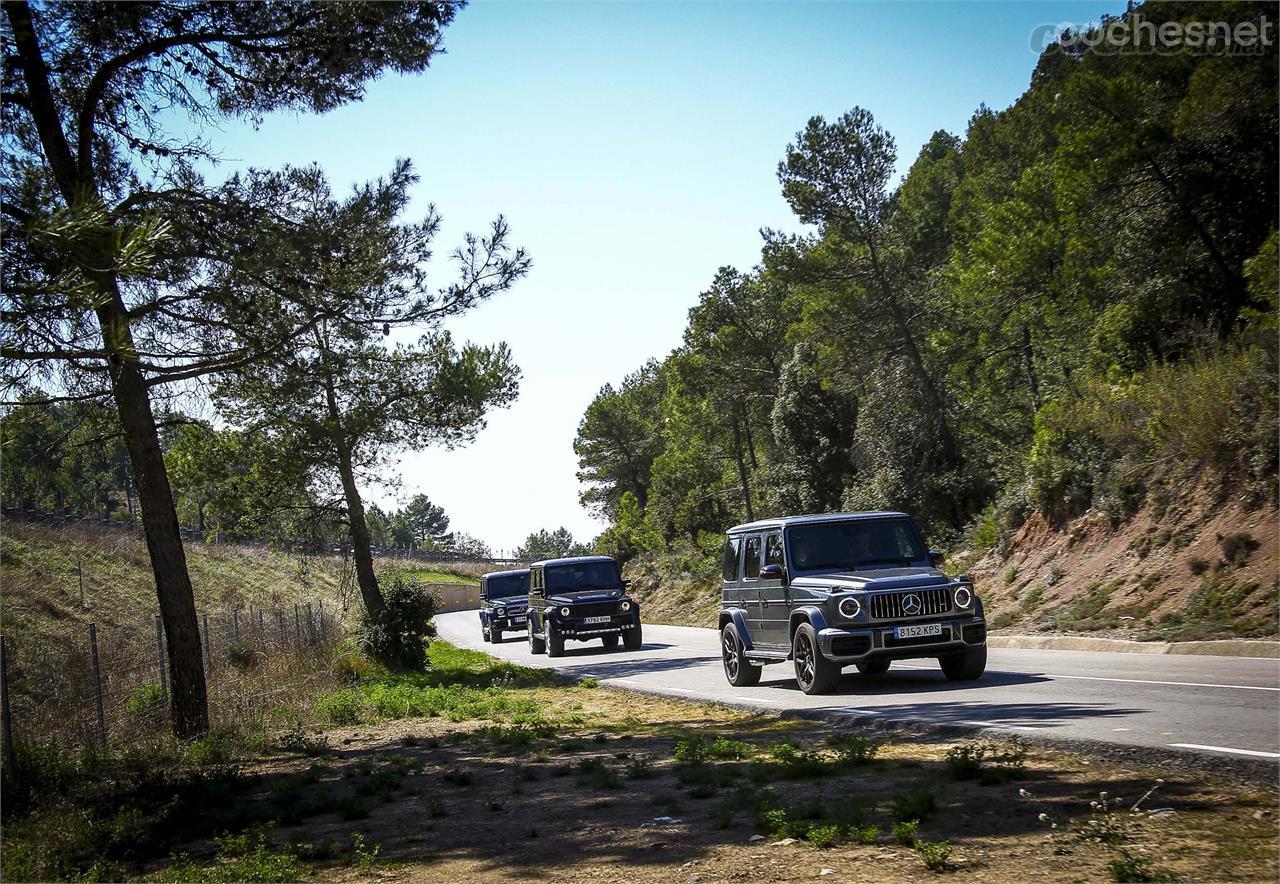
(897,561)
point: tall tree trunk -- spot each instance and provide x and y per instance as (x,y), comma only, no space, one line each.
(359,528)
(742,467)
(1029,363)
(190,708)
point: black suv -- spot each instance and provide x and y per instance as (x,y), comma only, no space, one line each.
(833,590)
(504,598)
(582,598)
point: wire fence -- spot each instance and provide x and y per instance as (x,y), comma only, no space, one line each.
(311,546)
(111,687)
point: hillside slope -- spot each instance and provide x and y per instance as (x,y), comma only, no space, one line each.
(1194,564)
(40,581)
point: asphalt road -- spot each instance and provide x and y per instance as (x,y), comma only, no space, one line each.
(1221,706)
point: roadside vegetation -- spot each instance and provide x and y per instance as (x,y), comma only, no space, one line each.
(412,773)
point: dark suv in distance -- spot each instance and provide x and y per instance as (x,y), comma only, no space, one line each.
(504,598)
(834,590)
(582,598)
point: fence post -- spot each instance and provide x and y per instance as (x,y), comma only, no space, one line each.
(80,577)
(208,651)
(97,684)
(5,715)
(320,617)
(297,626)
(311,626)
(284,639)
(262,630)
(235,623)
(164,673)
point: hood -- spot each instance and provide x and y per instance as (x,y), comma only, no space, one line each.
(519,601)
(564,597)
(874,579)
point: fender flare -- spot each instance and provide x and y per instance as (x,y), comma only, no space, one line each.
(810,614)
(738,618)
(977,608)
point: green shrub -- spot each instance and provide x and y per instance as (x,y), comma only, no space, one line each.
(147,699)
(341,708)
(854,748)
(352,667)
(1010,574)
(905,831)
(691,750)
(934,854)
(1237,547)
(915,804)
(240,858)
(240,654)
(823,836)
(726,748)
(865,834)
(1003,619)
(398,636)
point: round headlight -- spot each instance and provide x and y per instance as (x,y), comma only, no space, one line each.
(564,612)
(626,606)
(963,597)
(501,612)
(850,607)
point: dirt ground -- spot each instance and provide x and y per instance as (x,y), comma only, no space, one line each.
(607,801)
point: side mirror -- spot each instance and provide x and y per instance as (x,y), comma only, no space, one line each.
(773,572)
(936,557)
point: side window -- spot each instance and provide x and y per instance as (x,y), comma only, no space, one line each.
(773,549)
(729,567)
(751,561)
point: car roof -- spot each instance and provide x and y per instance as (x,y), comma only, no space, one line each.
(573,560)
(516,572)
(785,521)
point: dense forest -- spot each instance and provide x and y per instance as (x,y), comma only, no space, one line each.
(1073,299)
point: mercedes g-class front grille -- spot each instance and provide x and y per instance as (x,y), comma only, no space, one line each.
(910,603)
(594,609)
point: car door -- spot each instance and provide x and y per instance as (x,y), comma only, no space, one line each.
(774,599)
(752,547)
(537,600)
(731,593)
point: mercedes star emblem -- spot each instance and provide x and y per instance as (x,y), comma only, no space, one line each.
(911,604)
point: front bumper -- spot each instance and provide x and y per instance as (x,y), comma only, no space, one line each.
(865,642)
(578,629)
(511,621)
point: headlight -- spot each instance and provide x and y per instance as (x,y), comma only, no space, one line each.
(963,597)
(501,612)
(850,607)
(565,612)
(625,606)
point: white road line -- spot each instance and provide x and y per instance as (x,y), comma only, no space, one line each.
(1180,684)
(1016,727)
(859,711)
(1118,729)
(749,699)
(1226,749)
(682,690)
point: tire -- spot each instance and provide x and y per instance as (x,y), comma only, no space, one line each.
(610,642)
(632,639)
(874,667)
(737,669)
(965,665)
(536,645)
(815,674)
(484,631)
(496,636)
(555,641)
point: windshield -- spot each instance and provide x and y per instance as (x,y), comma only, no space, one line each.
(584,575)
(855,544)
(506,586)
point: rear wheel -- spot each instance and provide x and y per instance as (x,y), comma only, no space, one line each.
(873,667)
(610,642)
(814,673)
(536,645)
(555,641)
(737,669)
(632,639)
(965,665)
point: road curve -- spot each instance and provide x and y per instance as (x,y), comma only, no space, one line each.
(1220,706)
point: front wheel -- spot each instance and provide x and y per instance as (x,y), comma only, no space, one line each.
(964,665)
(814,673)
(484,631)
(737,669)
(632,639)
(555,641)
(495,636)
(536,645)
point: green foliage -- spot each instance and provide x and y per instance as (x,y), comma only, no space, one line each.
(1216,609)
(147,699)
(905,831)
(1237,547)
(854,748)
(341,708)
(544,544)
(934,854)
(914,804)
(244,857)
(988,760)
(398,635)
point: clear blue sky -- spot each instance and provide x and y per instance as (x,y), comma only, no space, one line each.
(633,148)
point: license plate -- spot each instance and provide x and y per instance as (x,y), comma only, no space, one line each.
(519,619)
(595,619)
(924,629)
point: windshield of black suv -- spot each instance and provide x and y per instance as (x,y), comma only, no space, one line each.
(506,586)
(850,545)
(583,575)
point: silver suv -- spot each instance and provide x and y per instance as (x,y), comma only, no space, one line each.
(843,589)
